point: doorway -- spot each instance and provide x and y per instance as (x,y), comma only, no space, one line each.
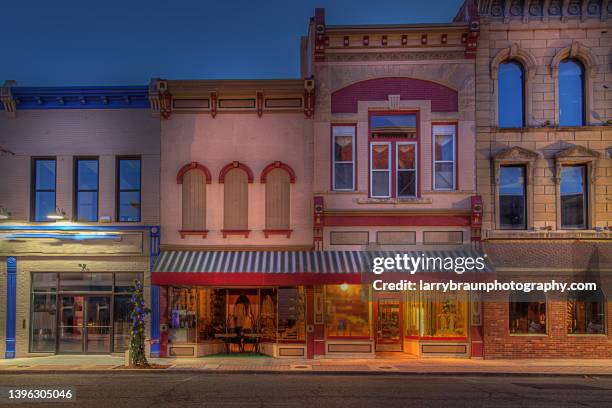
(84,324)
(389,325)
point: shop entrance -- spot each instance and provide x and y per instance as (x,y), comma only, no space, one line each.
(389,325)
(84,324)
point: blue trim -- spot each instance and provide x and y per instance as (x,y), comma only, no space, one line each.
(155,312)
(87,97)
(11,306)
(5,227)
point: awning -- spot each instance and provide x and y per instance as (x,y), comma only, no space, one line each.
(282,267)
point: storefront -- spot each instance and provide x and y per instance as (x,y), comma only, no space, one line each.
(210,298)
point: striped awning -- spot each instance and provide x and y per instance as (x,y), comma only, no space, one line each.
(279,267)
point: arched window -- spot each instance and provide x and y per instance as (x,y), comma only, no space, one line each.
(193,177)
(571,93)
(278,177)
(586,312)
(511,94)
(236,178)
(527,313)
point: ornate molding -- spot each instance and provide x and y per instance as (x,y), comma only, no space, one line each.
(578,51)
(277,165)
(193,166)
(514,52)
(235,165)
(577,152)
(544,9)
(395,56)
(516,154)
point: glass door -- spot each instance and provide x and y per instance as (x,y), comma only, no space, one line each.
(389,331)
(84,324)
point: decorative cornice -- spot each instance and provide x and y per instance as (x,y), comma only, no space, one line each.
(577,152)
(516,154)
(395,56)
(544,9)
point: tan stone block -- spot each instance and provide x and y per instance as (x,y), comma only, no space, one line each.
(573,34)
(531,44)
(544,216)
(546,34)
(588,135)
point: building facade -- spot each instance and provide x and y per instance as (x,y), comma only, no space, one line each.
(543,108)
(253,209)
(80,216)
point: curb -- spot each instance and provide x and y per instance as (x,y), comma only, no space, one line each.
(303,372)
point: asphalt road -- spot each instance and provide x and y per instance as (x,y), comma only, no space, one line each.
(168,389)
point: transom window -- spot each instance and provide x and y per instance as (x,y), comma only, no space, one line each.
(393,155)
(573,197)
(512,197)
(510,95)
(43,191)
(571,93)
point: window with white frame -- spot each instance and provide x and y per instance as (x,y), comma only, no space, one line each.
(343,166)
(445,162)
(406,169)
(380,169)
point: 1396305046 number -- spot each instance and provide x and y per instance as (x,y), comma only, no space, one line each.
(38,394)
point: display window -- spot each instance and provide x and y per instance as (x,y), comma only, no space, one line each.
(433,314)
(347,311)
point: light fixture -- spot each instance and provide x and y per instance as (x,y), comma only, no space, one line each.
(59,214)
(344,287)
(4,213)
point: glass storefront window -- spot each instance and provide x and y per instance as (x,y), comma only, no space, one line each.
(291,306)
(436,314)
(44,282)
(412,315)
(183,306)
(124,282)
(267,315)
(121,323)
(527,313)
(211,313)
(86,282)
(586,313)
(347,311)
(44,313)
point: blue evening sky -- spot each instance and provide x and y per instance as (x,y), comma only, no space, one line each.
(110,42)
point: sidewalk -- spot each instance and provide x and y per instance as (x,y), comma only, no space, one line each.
(259,364)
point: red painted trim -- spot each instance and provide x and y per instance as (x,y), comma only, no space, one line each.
(286,232)
(331,156)
(252,279)
(235,165)
(202,233)
(277,165)
(398,220)
(443,98)
(191,166)
(433,153)
(227,232)
(393,148)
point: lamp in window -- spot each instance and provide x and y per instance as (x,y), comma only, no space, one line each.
(5,214)
(59,214)
(344,287)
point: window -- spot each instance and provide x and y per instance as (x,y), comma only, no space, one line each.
(128,185)
(445,167)
(343,167)
(436,314)
(512,198)
(510,94)
(86,190)
(44,306)
(573,197)
(43,194)
(194,200)
(278,196)
(571,93)
(586,312)
(393,156)
(236,204)
(347,311)
(527,313)
(380,170)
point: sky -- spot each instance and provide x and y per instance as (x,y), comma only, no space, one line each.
(127,42)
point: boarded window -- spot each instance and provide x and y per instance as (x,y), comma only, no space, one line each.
(277,200)
(194,200)
(236,200)
(395,237)
(349,238)
(443,237)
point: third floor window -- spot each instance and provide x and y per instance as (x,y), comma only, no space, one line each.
(510,93)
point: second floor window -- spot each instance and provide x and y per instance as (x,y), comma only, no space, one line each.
(393,156)
(86,189)
(445,162)
(573,197)
(571,93)
(343,166)
(128,189)
(510,95)
(43,191)
(512,197)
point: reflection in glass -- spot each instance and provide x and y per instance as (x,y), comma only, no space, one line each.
(72,318)
(87,190)
(44,189)
(510,91)
(98,324)
(406,170)
(291,308)
(444,162)
(393,126)
(586,312)
(444,314)
(380,170)
(512,197)
(43,322)
(571,90)
(347,311)
(83,282)
(343,157)
(122,323)
(573,200)
(129,190)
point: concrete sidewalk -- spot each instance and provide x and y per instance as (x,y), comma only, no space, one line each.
(260,364)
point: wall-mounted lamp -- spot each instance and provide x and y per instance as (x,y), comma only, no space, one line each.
(4,213)
(59,214)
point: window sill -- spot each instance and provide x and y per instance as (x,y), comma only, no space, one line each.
(244,233)
(202,233)
(286,232)
(528,335)
(548,128)
(543,234)
(468,192)
(601,335)
(418,200)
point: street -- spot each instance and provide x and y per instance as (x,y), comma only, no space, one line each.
(305,390)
